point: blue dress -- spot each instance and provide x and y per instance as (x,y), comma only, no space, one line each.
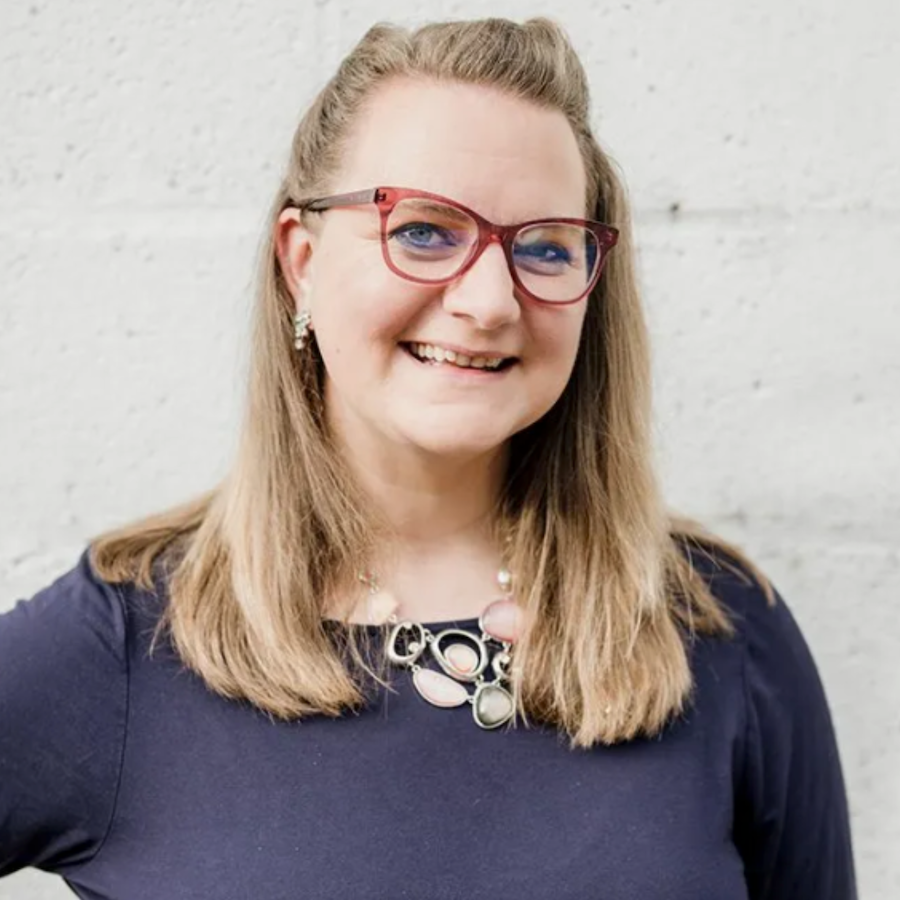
(123,773)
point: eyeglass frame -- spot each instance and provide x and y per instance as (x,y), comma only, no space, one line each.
(386,198)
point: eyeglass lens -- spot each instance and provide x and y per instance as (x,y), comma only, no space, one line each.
(431,241)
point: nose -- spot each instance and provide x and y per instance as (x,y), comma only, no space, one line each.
(486,292)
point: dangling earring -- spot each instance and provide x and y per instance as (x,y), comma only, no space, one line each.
(302,329)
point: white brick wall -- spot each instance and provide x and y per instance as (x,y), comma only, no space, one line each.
(140,143)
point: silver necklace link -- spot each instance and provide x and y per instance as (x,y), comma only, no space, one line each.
(461,656)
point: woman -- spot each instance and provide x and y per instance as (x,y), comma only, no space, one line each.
(436,634)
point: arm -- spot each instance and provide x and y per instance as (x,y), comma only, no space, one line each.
(63,688)
(791,819)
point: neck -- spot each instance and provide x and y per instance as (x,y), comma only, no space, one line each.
(427,498)
(442,555)
(427,501)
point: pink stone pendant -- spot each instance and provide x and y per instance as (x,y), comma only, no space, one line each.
(502,620)
(462,658)
(439,689)
(460,654)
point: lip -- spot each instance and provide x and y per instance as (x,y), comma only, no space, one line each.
(464,351)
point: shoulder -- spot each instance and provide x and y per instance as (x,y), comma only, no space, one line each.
(761,618)
(782,685)
(77,612)
(775,674)
(63,708)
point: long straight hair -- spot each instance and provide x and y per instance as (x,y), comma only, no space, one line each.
(604,569)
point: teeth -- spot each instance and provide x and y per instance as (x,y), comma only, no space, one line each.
(438,354)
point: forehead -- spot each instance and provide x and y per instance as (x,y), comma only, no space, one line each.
(505,157)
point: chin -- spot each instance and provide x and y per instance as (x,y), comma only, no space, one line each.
(456,443)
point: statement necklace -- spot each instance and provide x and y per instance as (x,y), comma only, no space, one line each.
(462,657)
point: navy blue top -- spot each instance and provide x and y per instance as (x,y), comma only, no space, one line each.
(128,777)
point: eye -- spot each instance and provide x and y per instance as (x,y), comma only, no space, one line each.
(545,250)
(424,236)
(543,256)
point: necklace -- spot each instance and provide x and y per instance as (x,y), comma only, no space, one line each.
(462,657)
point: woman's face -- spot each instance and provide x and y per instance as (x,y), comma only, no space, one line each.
(508,160)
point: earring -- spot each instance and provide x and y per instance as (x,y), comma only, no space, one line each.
(302,329)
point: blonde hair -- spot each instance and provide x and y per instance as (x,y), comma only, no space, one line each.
(604,569)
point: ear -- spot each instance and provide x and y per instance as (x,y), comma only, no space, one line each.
(294,244)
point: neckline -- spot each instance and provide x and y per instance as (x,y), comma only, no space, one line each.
(466,624)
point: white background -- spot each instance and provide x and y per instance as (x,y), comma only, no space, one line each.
(141,142)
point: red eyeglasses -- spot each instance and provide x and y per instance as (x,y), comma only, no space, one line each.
(431,239)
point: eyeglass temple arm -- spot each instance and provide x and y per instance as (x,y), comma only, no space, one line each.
(353,199)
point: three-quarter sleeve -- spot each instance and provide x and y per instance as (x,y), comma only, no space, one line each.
(791,818)
(63,704)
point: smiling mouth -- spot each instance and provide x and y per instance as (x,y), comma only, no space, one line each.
(428,355)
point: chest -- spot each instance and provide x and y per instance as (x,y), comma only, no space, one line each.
(406,800)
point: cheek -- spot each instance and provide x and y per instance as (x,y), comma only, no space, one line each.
(396,307)
(361,316)
(557,334)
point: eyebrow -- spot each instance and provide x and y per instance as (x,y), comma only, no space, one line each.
(425,205)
